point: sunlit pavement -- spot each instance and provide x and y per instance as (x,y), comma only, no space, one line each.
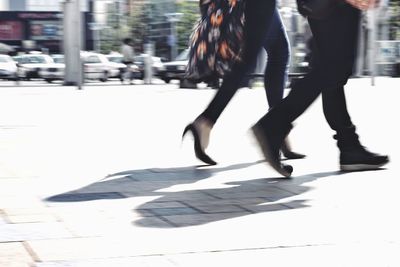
(100,177)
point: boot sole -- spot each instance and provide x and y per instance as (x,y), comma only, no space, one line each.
(360,167)
(266,150)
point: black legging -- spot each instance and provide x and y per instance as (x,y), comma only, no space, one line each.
(335,42)
(258,15)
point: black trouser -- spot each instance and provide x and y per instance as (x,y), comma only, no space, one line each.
(335,42)
(258,15)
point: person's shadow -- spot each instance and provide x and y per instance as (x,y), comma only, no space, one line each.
(175,206)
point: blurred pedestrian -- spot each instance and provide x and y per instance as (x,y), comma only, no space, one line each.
(262,28)
(128,55)
(335,39)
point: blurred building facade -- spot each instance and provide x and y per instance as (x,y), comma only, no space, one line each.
(151,25)
(37,24)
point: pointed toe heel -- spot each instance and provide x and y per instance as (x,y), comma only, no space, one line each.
(199,152)
(293,155)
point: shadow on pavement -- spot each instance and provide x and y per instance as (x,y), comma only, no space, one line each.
(180,201)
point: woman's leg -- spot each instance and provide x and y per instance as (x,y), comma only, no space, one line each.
(277,46)
(258,15)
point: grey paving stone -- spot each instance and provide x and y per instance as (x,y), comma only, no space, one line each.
(200,219)
(267,192)
(177,175)
(32,231)
(219,208)
(297,203)
(77,197)
(153,222)
(123,184)
(166,204)
(143,213)
(174,211)
(265,207)
(232,201)
(292,187)
(187,195)
(150,189)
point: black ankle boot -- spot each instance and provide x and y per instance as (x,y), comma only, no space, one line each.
(270,136)
(355,157)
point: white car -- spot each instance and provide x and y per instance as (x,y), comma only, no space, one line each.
(97,66)
(8,68)
(176,69)
(117,58)
(31,65)
(54,71)
(158,67)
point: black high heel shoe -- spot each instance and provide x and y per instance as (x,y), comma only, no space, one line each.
(288,153)
(199,152)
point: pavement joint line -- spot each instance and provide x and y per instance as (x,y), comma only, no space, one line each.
(287,206)
(30,251)
(192,207)
(290,195)
(211,195)
(246,209)
(167,221)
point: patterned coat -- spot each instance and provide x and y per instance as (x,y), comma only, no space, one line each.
(217,39)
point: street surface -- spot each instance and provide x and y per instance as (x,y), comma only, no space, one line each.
(100,177)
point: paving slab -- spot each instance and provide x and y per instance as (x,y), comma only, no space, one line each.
(15,254)
(101,177)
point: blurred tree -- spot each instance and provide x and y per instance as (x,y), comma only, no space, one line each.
(191,12)
(138,23)
(394,19)
(147,22)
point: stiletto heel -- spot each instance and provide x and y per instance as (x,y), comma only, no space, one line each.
(288,153)
(187,128)
(199,152)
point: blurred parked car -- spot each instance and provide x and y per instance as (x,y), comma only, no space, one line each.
(31,65)
(8,68)
(96,64)
(157,65)
(96,68)
(117,58)
(176,69)
(58,58)
(53,72)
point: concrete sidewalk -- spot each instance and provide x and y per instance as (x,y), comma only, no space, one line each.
(99,177)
